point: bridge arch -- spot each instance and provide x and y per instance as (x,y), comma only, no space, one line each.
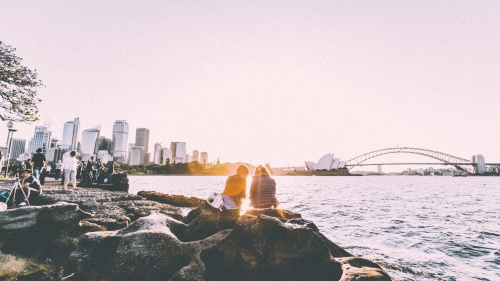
(448,159)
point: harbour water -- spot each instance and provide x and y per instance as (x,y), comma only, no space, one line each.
(416,228)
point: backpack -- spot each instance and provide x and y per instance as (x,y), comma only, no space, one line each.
(216,200)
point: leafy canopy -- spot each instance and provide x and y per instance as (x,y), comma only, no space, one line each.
(18,86)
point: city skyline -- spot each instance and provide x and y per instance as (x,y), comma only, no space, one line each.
(275,82)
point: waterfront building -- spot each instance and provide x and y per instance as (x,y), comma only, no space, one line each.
(157,153)
(166,154)
(70,134)
(203,157)
(379,169)
(327,162)
(90,141)
(41,139)
(120,141)
(178,151)
(105,144)
(195,157)
(136,155)
(18,148)
(142,139)
(55,154)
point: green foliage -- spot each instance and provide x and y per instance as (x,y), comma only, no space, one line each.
(18,86)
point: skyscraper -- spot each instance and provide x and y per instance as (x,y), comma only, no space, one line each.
(136,155)
(105,144)
(178,151)
(120,141)
(41,139)
(166,154)
(18,147)
(70,134)
(195,157)
(90,142)
(203,157)
(157,153)
(142,139)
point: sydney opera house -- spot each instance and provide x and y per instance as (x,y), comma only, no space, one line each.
(326,163)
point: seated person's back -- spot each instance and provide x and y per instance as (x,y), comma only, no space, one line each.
(263,190)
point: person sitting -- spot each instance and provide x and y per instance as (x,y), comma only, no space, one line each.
(29,185)
(263,190)
(235,189)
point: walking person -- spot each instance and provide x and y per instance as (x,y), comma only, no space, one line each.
(39,163)
(69,166)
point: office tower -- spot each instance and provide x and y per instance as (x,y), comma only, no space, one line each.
(120,141)
(166,154)
(142,139)
(18,147)
(187,158)
(136,155)
(54,154)
(90,141)
(195,157)
(178,151)
(55,143)
(157,153)
(41,139)
(70,134)
(105,144)
(203,157)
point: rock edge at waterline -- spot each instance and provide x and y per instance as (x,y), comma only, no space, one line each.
(93,234)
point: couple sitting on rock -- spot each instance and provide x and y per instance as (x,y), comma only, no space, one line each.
(262,189)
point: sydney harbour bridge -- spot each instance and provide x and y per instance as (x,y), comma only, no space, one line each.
(478,163)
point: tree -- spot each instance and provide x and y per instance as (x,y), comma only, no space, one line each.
(18,86)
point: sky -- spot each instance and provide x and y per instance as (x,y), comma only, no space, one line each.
(279,82)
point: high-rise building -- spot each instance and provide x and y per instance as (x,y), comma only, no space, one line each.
(136,155)
(157,153)
(90,142)
(203,157)
(41,139)
(70,134)
(195,157)
(178,151)
(105,144)
(166,154)
(55,143)
(18,147)
(120,141)
(142,139)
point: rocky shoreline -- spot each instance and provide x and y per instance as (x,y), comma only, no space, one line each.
(94,234)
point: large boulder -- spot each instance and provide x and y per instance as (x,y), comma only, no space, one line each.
(265,248)
(35,238)
(259,247)
(174,200)
(145,250)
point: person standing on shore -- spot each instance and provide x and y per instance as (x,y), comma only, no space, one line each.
(263,190)
(58,170)
(69,166)
(90,170)
(235,189)
(39,163)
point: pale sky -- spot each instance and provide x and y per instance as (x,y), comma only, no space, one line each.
(269,81)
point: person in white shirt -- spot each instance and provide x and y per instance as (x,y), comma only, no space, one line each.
(69,166)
